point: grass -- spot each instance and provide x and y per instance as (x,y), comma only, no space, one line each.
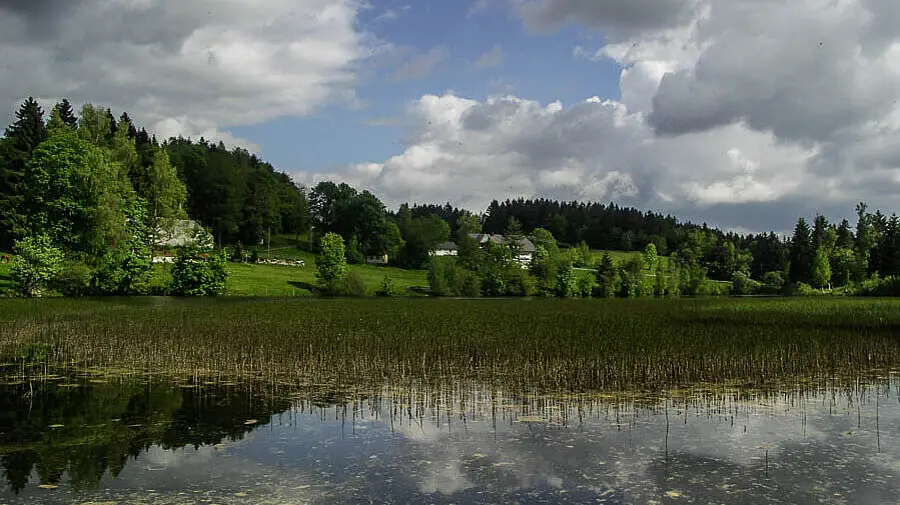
(578,345)
(275,280)
(5,280)
(247,279)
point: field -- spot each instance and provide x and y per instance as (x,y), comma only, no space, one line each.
(560,345)
(246,279)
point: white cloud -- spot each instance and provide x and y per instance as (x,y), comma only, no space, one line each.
(239,62)
(742,114)
(469,152)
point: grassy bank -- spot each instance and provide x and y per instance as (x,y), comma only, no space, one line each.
(574,345)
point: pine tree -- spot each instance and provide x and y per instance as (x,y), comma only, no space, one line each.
(67,113)
(844,236)
(820,230)
(802,253)
(22,138)
(62,118)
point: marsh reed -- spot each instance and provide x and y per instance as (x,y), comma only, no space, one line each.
(580,345)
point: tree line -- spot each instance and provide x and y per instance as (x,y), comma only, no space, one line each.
(83,198)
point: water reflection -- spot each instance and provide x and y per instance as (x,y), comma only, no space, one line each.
(129,441)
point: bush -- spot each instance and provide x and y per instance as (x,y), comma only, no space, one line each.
(387,287)
(712,288)
(585,285)
(889,286)
(466,283)
(254,255)
(803,289)
(123,272)
(74,279)
(440,273)
(354,285)
(196,273)
(237,254)
(36,263)
(741,284)
(772,283)
(519,282)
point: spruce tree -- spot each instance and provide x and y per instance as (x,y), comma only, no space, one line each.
(802,253)
(22,138)
(844,236)
(67,113)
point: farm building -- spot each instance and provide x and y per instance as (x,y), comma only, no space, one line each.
(446,249)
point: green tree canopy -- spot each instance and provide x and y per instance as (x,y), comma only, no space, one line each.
(75,195)
(331,265)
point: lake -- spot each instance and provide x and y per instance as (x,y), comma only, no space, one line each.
(73,437)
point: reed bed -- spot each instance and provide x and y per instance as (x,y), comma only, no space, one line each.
(535,345)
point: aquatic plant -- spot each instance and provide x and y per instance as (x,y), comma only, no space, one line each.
(538,344)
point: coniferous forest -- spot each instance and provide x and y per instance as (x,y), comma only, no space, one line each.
(84,194)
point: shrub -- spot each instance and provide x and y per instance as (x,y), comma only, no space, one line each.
(712,288)
(354,285)
(36,263)
(254,255)
(772,283)
(440,276)
(237,254)
(466,283)
(197,273)
(889,286)
(585,284)
(74,279)
(741,284)
(387,287)
(803,289)
(519,282)
(123,271)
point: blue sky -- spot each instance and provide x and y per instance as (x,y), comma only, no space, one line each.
(539,66)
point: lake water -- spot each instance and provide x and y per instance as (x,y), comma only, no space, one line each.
(103,441)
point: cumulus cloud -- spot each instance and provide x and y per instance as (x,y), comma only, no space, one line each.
(220,64)
(742,114)
(469,152)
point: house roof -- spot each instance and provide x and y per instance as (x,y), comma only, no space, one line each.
(181,232)
(524,243)
(446,246)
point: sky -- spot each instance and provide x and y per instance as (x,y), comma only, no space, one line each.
(744,114)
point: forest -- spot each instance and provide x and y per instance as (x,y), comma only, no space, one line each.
(83,197)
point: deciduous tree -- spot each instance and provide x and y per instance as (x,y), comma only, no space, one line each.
(331,265)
